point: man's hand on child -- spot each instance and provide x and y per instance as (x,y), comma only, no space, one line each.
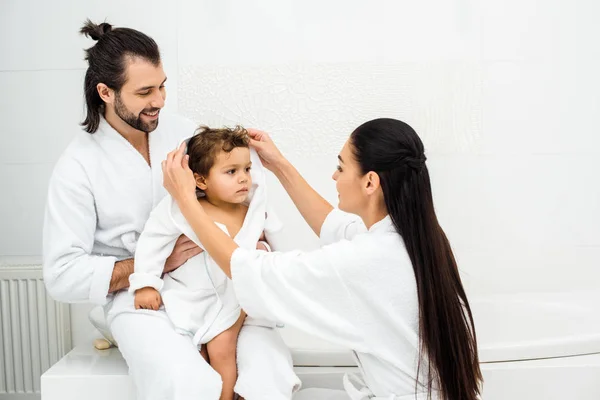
(147,298)
(262,243)
(184,249)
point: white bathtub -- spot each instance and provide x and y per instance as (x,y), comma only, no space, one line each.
(532,347)
(540,346)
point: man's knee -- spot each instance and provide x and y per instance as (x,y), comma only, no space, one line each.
(199,379)
(175,380)
(163,363)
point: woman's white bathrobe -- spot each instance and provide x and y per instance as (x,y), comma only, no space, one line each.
(359,293)
(100,196)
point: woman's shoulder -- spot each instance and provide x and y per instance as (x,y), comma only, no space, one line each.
(340,225)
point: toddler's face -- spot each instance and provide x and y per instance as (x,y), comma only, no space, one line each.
(229,178)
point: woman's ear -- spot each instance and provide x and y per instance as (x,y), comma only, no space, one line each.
(200,181)
(372,182)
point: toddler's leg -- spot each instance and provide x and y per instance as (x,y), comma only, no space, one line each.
(204,353)
(222,352)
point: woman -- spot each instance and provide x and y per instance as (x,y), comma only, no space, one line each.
(384,283)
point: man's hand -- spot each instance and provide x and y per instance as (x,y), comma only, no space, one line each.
(184,250)
(261,243)
(120,275)
(147,298)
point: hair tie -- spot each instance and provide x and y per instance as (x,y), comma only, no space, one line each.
(416,163)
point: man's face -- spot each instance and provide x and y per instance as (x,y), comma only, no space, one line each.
(141,98)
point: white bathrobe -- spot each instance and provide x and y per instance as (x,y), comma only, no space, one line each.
(359,293)
(198,297)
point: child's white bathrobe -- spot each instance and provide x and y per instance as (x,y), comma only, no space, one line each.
(200,300)
(198,297)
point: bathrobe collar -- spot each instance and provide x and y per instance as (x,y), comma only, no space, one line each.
(384,225)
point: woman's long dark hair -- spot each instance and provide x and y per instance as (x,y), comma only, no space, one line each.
(447,337)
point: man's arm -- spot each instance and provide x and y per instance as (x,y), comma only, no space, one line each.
(72,274)
(183,251)
(120,275)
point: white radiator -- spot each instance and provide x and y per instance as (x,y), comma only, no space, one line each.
(35,331)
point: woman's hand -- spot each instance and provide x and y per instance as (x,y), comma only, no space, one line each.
(269,154)
(178,178)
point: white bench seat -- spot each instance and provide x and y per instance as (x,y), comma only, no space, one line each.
(89,374)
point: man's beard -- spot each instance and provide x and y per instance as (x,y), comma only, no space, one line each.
(131,119)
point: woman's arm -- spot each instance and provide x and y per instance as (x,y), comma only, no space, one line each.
(306,290)
(217,243)
(312,206)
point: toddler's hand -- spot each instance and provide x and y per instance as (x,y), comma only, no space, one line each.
(147,298)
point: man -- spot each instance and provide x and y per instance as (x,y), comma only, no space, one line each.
(100,195)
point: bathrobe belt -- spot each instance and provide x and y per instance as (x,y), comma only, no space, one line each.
(356,388)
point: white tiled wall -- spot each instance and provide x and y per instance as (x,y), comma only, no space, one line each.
(506,96)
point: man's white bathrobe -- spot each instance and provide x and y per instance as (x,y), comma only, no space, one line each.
(359,293)
(100,196)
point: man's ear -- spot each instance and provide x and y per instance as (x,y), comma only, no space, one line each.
(106,94)
(200,181)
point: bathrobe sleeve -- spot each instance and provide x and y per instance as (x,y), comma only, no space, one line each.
(154,246)
(301,289)
(340,225)
(71,273)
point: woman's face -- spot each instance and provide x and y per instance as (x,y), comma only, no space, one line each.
(349,182)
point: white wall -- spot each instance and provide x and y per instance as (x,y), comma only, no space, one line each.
(504,94)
